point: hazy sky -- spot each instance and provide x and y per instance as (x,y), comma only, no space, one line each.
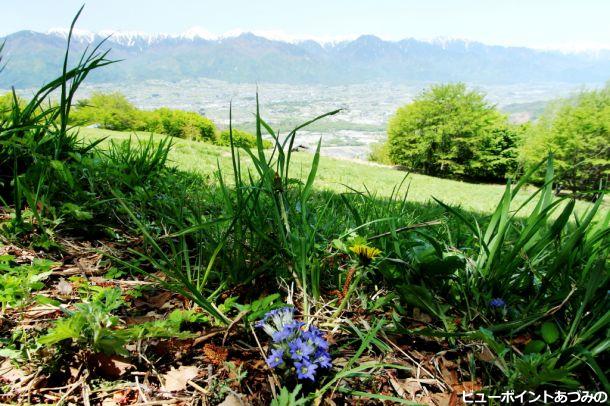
(537,23)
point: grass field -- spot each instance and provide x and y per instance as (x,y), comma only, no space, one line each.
(334,174)
(186,257)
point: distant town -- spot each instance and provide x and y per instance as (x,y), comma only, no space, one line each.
(367,107)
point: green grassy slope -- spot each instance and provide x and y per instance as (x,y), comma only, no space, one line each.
(335,174)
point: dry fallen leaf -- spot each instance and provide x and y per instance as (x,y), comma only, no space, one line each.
(486,355)
(521,340)
(467,386)
(109,402)
(9,373)
(125,396)
(441,399)
(111,366)
(412,386)
(63,287)
(453,400)
(396,385)
(449,376)
(176,379)
(232,400)
(159,299)
(215,354)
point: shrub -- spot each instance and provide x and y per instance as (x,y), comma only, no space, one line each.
(577,131)
(496,156)
(241,139)
(111,111)
(181,124)
(380,153)
(451,131)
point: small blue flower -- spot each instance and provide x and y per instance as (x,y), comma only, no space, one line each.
(306,370)
(289,331)
(281,317)
(316,338)
(295,343)
(313,330)
(275,320)
(497,302)
(300,349)
(323,359)
(282,335)
(266,327)
(276,358)
(295,325)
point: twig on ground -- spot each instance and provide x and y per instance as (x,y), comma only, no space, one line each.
(419,365)
(260,347)
(233,324)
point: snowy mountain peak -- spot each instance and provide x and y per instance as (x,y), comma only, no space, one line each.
(366,58)
(139,39)
(77,34)
(125,38)
(133,38)
(197,33)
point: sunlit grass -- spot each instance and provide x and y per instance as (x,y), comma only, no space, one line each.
(337,174)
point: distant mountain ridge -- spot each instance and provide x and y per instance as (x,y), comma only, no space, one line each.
(34,57)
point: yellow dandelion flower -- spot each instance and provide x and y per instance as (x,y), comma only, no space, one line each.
(365,253)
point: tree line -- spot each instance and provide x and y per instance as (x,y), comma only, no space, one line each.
(452,131)
(113,111)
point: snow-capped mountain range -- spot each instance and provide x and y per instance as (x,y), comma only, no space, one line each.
(269,56)
(131,38)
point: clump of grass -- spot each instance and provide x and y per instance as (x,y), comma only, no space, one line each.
(36,142)
(512,277)
(273,206)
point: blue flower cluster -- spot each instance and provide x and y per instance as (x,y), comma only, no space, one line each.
(295,343)
(497,303)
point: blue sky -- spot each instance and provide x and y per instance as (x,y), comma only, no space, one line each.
(538,23)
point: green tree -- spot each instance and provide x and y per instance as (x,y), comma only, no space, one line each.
(241,139)
(497,153)
(182,124)
(577,131)
(452,131)
(6,102)
(111,111)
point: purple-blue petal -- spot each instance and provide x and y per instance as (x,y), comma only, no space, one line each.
(275,358)
(300,349)
(306,370)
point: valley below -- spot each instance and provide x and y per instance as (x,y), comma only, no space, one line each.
(349,134)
